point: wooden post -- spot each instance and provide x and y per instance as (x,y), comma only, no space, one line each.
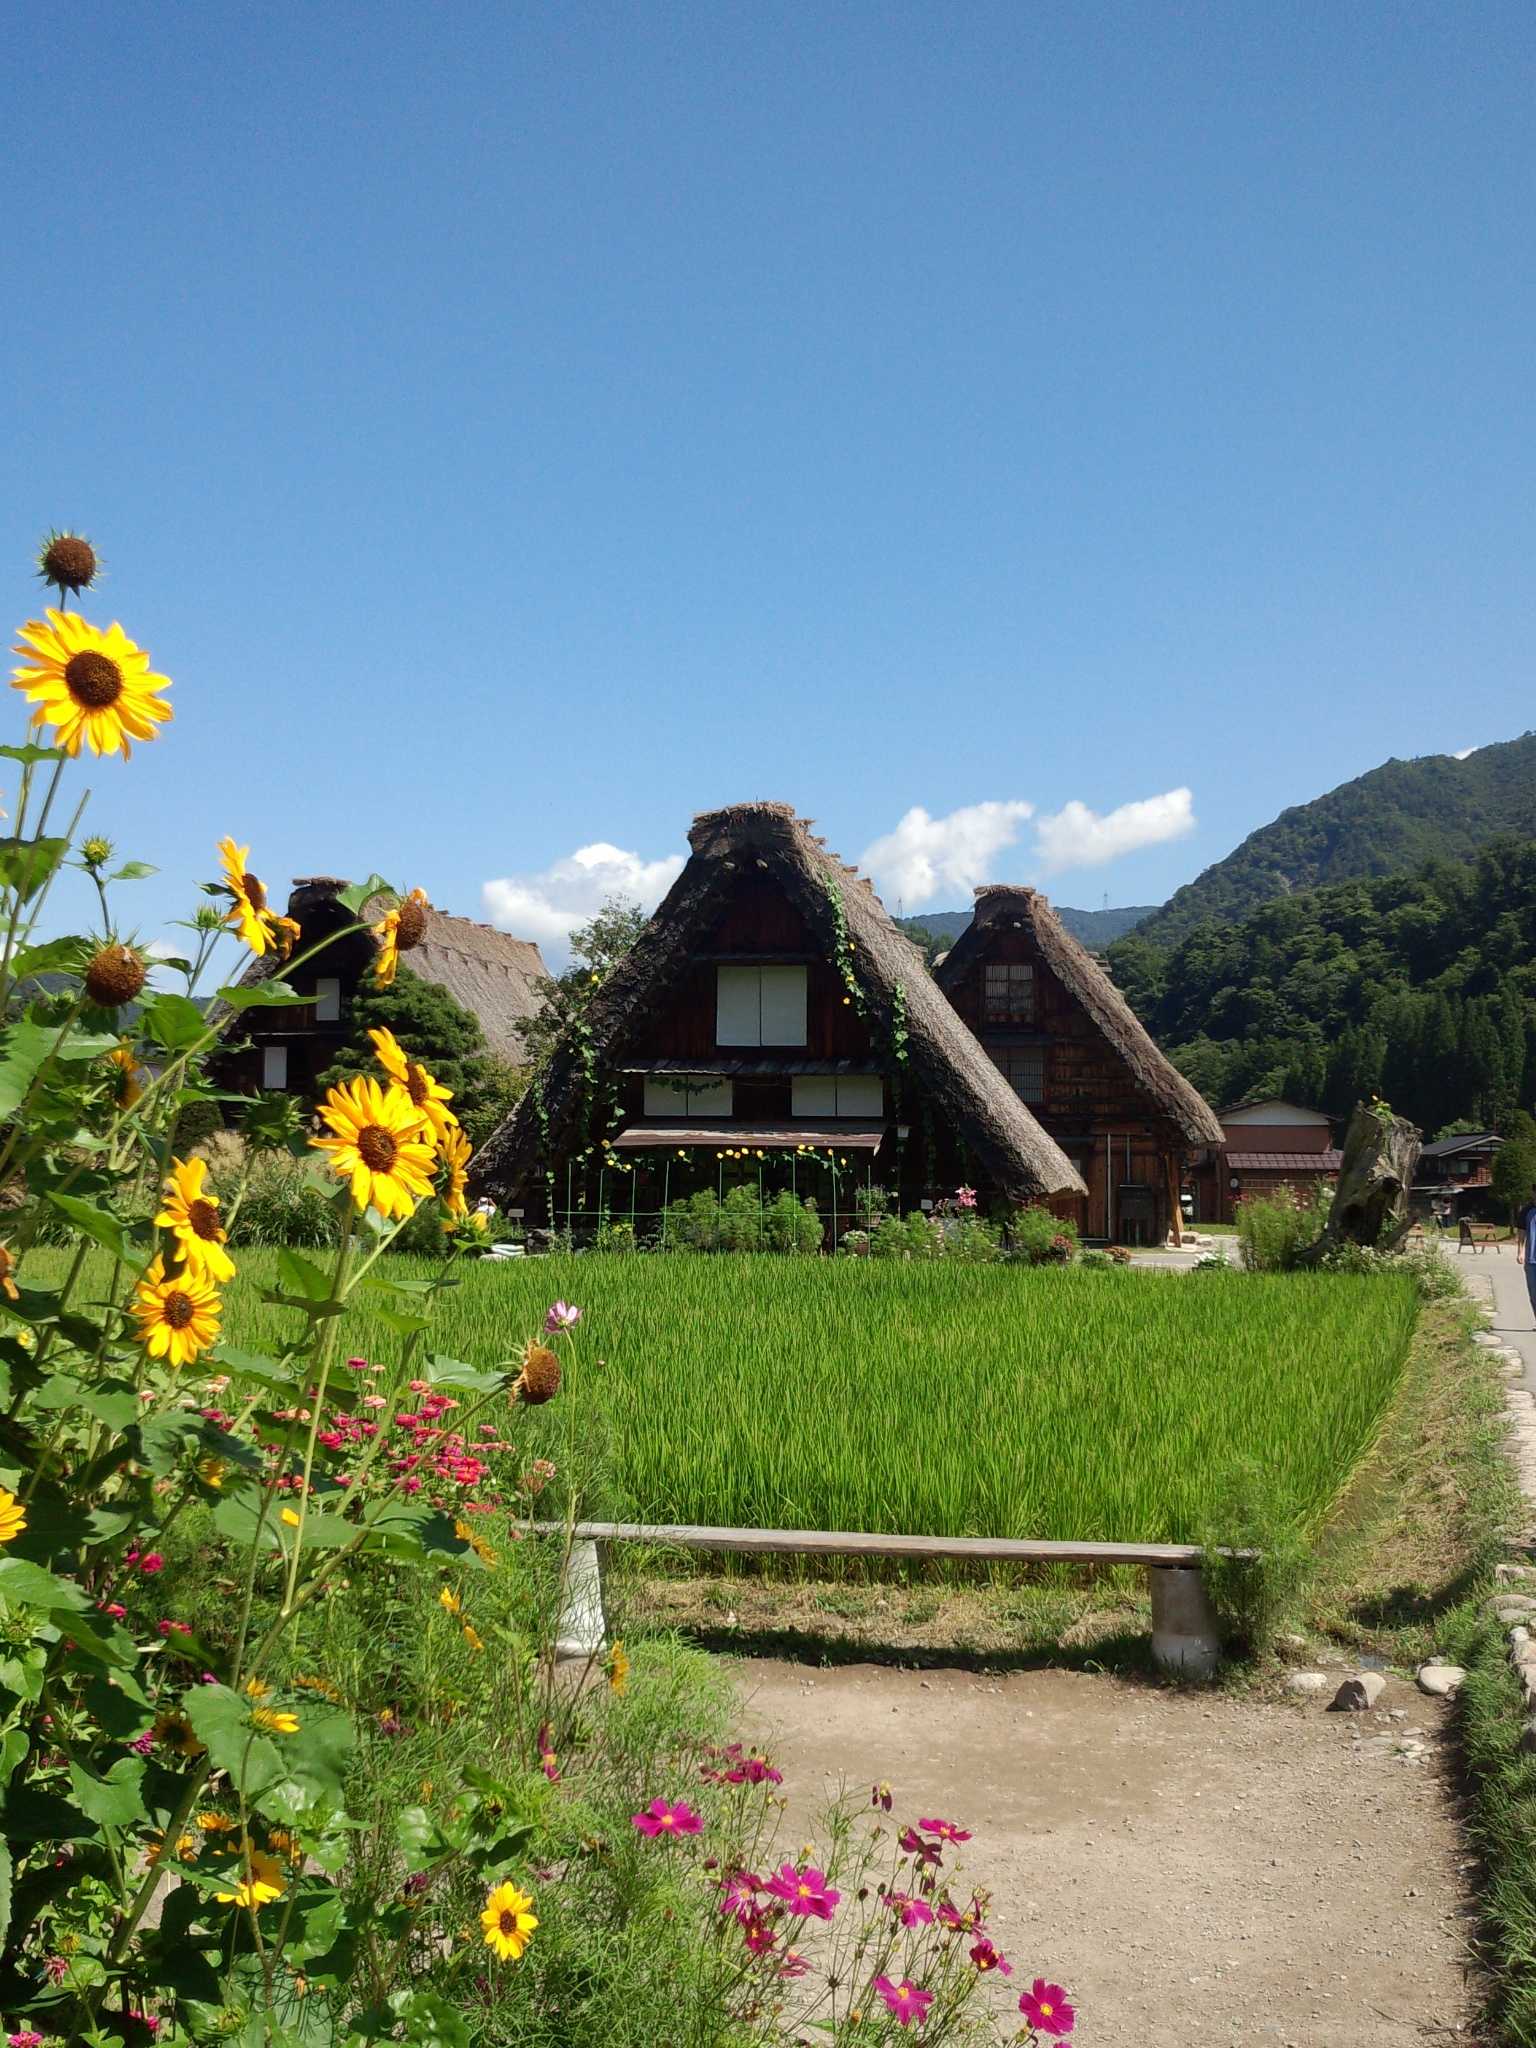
(1175,1212)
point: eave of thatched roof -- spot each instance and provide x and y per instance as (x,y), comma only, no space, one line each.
(945,1060)
(1081,975)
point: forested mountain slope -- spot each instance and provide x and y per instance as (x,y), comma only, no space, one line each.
(1420,987)
(1385,823)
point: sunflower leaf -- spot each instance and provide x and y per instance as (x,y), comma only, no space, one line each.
(360,893)
(53,956)
(29,755)
(174,1021)
(26,864)
(101,1226)
(262,995)
(133,871)
(113,1800)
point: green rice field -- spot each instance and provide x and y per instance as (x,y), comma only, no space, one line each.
(956,1400)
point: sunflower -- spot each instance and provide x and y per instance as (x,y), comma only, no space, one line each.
(454,1153)
(126,1085)
(177,1315)
(13,1517)
(8,1285)
(397,931)
(261,1883)
(248,913)
(95,688)
(428,1094)
(192,1217)
(275,1720)
(287,935)
(618,1668)
(380,1144)
(508,1921)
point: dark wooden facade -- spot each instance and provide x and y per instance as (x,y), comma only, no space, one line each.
(1047,1016)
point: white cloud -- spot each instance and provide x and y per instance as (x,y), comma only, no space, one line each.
(1075,837)
(927,855)
(1463,753)
(548,906)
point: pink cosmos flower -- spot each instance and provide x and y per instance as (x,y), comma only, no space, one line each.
(905,1999)
(547,1763)
(154,1562)
(987,1958)
(738,1896)
(663,1817)
(911,1912)
(563,1316)
(946,1830)
(759,1936)
(793,1965)
(804,1891)
(752,1770)
(880,1795)
(1045,2008)
(912,1843)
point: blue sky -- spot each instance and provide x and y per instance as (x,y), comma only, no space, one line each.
(517,428)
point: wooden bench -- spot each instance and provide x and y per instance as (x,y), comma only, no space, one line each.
(1185,1636)
(1477,1235)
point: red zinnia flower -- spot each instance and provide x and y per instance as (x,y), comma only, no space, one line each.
(1045,2008)
(804,1891)
(987,1958)
(905,2000)
(663,1817)
(946,1830)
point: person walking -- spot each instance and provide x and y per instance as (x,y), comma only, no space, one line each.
(1525,1246)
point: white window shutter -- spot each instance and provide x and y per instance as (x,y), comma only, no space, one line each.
(813,1095)
(860,1095)
(327,1000)
(738,1016)
(692,1095)
(783,1005)
(274,1066)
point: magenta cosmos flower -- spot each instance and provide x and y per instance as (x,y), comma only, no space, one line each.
(911,1912)
(946,1830)
(1045,2008)
(987,1958)
(804,1891)
(905,2000)
(912,1843)
(664,1817)
(738,1895)
(563,1316)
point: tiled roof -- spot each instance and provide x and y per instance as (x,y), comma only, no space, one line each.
(1301,1163)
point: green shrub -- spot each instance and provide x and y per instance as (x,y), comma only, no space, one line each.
(1273,1230)
(1040,1238)
(286,1202)
(1254,1596)
(743,1222)
(918,1236)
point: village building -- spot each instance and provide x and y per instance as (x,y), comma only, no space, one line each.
(491,974)
(1072,1050)
(770,1025)
(1266,1144)
(1455,1176)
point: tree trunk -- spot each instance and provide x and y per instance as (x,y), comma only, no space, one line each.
(1370,1203)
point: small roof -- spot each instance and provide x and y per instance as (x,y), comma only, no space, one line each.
(1468,1141)
(1248,1102)
(1287,1162)
(755,1137)
(1084,977)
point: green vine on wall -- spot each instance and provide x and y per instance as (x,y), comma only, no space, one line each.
(899,1032)
(842,943)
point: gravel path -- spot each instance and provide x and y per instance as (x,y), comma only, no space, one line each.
(1191,1867)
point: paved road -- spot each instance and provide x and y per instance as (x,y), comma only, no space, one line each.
(1497,1274)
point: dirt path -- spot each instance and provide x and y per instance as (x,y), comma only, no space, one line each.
(1192,1868)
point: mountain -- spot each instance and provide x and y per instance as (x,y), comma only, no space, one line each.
(1094,928)
(1417,987)
(1387,822)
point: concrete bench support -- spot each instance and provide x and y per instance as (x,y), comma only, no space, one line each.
(583,1631)
(1185,1636)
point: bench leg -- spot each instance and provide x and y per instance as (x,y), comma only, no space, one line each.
(1185,1636)
(583,1631)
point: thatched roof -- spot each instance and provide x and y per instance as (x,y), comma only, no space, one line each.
(491,974)
(1082,976)
(944,1059)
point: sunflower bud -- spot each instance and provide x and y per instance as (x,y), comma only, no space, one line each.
(67,562)
(539,1380)
(114,977)
(95,852)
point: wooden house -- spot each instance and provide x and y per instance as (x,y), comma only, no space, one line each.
(1266,1144)
(489,973)
(1075,1054)
(1456,1174)
(772,1025)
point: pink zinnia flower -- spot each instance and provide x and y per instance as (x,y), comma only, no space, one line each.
(663,1817)
(1045,2008)
(987,1958)
(946,1830)
(153,1563)
(905,2000)
(26,2039)
(738,1896)
(804,1891)
(563,1316)
(911,1912)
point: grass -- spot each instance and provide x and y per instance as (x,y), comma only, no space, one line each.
(938,1400)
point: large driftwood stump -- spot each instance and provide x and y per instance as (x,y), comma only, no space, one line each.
(1370,1203)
